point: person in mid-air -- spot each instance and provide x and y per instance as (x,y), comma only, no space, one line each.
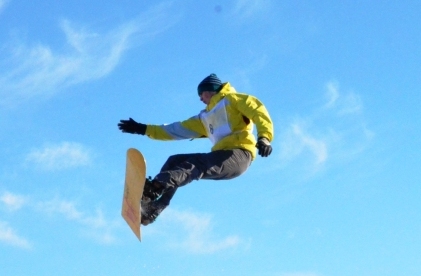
(227,121)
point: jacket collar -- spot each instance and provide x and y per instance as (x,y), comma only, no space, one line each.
(226,89)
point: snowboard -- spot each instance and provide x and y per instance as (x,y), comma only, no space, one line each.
(133,189)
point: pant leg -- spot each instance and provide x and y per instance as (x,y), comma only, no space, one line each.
(170,164)
(225,164)
(182,169)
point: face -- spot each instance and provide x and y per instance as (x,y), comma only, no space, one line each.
(206,96)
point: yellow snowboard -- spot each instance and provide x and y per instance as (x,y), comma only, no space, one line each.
(133,189)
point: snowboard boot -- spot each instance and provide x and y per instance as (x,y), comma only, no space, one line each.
(151,192)
(151,211)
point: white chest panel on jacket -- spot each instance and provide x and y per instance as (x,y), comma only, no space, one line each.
(216,121)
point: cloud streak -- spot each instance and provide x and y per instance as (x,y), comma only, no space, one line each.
(350,103)
(336,129)
(9,236)
(38,70)
(198,237)
(60,156)
(300,274)
(95,226)
(297,141)
(13,202)
(247,8)
(3,4)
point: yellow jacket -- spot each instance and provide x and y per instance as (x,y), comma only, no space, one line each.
(226,121)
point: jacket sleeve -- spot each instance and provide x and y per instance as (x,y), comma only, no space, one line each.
(253,108)
(187,129)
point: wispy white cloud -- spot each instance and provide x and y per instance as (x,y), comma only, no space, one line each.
(345,110)
(95,226)
(344,104)
(62,207)
(252,63)
(3,4)
(9,236)
(300,274)
(12,202)
(60,156)
(248,8)
(198,237)
(297,141)
(39,70)
(332,93)
(336,129)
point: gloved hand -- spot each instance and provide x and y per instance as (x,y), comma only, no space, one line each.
(265,149)
(131,126)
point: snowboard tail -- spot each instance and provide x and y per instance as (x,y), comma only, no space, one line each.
(133,189)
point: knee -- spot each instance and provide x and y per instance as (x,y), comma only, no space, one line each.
(171,162)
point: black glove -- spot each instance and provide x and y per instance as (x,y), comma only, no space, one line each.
(131,126)
(265,149)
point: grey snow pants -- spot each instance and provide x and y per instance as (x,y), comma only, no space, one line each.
(181,169)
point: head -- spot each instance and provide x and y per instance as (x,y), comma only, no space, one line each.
(208,87)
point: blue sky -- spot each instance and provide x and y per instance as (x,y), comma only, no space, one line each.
(338,196)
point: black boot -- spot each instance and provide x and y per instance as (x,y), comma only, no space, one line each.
(152,190)
(151,211)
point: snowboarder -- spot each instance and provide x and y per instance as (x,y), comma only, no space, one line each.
(227,121)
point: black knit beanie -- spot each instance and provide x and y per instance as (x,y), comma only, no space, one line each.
(210,83)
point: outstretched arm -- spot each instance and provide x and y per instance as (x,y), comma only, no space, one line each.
(131,126)
(190,128)
(187,129)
